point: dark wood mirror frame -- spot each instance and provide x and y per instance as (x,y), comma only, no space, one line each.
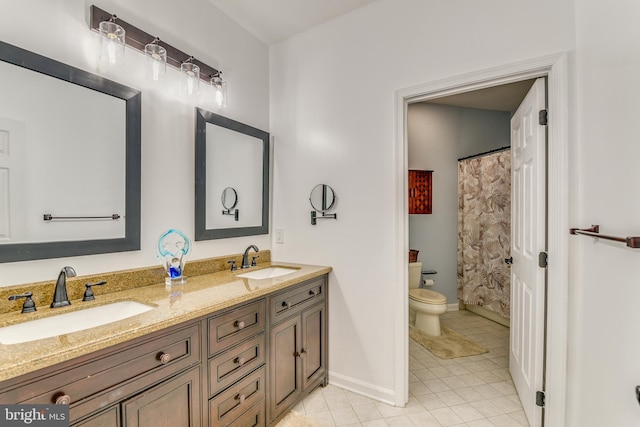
(202,233)
(32,251)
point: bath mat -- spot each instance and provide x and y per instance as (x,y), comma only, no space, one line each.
(449,345)
(295,419)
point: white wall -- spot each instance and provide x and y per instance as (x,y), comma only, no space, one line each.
(332,109)
(603,367)
(437,137)
(59,29)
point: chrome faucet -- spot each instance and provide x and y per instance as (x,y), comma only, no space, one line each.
(60,298)
(245,257)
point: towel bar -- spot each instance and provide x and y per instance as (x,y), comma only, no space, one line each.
(594,231)
(49,217)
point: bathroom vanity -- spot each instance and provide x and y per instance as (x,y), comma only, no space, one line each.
(221,350)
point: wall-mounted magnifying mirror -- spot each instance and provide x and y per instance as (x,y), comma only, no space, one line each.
(229,202)
(322,200)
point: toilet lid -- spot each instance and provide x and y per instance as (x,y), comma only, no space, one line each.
(427,296)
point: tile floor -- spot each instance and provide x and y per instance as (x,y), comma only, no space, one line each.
(474,391)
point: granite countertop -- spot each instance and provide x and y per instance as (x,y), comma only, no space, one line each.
(200,296)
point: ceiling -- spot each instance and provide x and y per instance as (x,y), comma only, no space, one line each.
(274,20)
(505,97)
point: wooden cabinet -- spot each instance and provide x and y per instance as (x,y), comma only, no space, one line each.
(175,403)
(297,345)
(242,366)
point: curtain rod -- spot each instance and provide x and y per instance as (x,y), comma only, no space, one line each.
(485,153)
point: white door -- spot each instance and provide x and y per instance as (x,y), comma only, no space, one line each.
(528,231)
(12,166)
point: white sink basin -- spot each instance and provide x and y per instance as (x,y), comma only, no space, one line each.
(268,273)
(70,322)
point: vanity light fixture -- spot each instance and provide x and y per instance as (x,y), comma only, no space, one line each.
(113,41)
(220,88)
(190,76)
(193,69)
(157,58)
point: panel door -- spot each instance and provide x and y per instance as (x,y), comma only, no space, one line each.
(528,231)
(313,351)
(175,403)
(285,367)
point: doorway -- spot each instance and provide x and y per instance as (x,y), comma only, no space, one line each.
(555,68)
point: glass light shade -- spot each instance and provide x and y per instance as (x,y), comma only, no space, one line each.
(191,78)
(157,59)
(220,91)
(112,43)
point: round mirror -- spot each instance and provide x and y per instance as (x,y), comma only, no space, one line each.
(229,198)
(322,198)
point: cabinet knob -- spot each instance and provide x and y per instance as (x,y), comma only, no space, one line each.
(63,400)
(312,292)
(300,354)
(238,324)
(240,397)
(240,360)
(165,358)
(285,304)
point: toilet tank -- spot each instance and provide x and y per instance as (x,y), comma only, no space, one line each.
(415,274)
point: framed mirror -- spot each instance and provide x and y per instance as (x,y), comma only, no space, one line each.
(69,160)
(230,154)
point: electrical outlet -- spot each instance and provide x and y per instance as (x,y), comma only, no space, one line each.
(279,235)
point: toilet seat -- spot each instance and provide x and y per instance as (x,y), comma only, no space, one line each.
(427,296)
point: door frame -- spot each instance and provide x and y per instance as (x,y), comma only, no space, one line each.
(555,68)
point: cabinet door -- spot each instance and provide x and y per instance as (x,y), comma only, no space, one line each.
(285,366)
(175,403)
(313,353)
(108,418)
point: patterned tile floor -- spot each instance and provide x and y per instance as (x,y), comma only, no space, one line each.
(474,391)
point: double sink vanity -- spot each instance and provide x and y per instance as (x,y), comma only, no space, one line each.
(228,348)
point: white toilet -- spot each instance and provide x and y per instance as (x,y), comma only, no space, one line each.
(425,306)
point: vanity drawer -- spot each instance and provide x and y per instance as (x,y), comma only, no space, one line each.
(231,365)
(254,417)
(294,300)
(231,327)
(239,398)
(108,378)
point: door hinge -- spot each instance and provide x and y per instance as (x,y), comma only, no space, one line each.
(543,260)
(543,117)
(540,398)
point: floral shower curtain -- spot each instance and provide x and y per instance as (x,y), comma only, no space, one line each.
(484,231)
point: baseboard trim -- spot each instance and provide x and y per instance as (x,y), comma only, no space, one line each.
(372,391)
(453,307)
(488,314)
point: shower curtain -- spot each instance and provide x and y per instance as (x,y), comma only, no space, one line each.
(484,231)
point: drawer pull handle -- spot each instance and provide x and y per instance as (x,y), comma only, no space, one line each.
(165,358)
(240,397)
(63,400)
(312,292)
(301,354)
(239,324)
(240,360)
(285,304)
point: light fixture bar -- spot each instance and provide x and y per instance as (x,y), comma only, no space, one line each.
(138,39)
